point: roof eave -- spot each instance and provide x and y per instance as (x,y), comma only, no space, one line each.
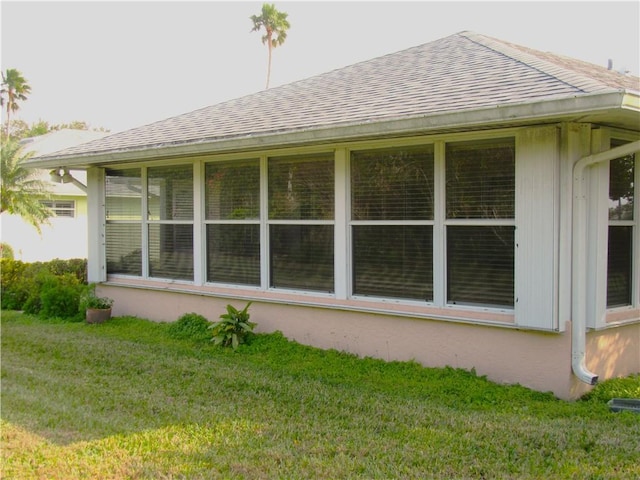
(577,108)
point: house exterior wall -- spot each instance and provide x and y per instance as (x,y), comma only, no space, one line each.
(62,238)
(530,344)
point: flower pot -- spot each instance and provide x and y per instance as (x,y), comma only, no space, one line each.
(98,315)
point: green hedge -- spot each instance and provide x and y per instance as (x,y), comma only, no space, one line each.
(52,288)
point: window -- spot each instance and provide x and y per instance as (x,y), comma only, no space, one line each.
(621,222)
(480,223)
(123,204)
(392,222)
(301,222)
(170,221)
(61,208)
(232,206)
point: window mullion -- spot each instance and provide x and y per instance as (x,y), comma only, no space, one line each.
(439,240)
(144,217)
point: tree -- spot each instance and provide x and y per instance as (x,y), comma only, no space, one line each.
(21,129)
(275,25)
(21,190)
(14,88)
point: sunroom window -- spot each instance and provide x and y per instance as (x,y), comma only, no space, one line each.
(621,231)
(232,217)
(480,223)
(170,221)
(123,205)
(301,222)
(392,222)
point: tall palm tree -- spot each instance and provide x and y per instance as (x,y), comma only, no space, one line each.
(14,88)
(20,188)
(275,25)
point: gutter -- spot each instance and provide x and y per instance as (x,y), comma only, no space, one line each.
(578,268)
(573,109)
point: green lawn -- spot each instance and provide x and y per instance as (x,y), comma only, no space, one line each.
(127,400)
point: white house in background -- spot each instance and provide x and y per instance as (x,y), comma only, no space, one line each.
(467,202)
(66,235)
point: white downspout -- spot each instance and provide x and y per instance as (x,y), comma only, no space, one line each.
(578,269)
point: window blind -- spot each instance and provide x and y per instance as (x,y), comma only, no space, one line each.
(480,263)
(393,261)
(480,179)
(233,253)
(301,188)
(232,190)
(392,184)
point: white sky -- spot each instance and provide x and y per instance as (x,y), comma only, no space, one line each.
(119,65)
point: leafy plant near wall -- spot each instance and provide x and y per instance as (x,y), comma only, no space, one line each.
(190,326)
(233,328)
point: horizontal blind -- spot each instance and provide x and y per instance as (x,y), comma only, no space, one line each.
(232,190)
(301,188)
(171,251)
(480,179)
(301,257)
(124,248)
(621,188)
(123,194)
(393,261)
(619,271)
(233,253)
(480,265)
(170,192)
(392,184)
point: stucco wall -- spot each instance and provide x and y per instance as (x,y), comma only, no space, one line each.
(541,361)
(63,238)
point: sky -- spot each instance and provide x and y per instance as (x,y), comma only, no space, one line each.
(118,65)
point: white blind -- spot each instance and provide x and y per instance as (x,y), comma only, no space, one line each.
(301,188)
(481,179)
(392,184)
(232,190)
(170,192)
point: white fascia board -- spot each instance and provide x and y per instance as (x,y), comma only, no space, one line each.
(566,109)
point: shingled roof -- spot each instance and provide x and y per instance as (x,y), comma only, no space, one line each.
(462,72)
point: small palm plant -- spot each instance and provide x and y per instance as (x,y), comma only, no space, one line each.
(233,328)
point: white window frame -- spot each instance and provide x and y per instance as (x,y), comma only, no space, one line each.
(61,208)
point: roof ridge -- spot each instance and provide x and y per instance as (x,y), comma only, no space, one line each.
(532,59)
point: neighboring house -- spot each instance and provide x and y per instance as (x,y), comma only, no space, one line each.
(66,234)
(467,202)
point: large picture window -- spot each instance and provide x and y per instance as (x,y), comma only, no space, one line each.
(392,222)
(621,231)
(301,222)
(232,206)
(480,223)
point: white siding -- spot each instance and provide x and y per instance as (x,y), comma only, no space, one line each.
(537,167)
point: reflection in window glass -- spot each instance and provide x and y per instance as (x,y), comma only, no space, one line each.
(233,253)
(393,261)
(302,257)
(171,251)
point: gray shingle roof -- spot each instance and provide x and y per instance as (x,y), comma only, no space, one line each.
(464,71)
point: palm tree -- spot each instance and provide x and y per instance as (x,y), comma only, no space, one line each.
(275,25)
(21,190)
(14,88)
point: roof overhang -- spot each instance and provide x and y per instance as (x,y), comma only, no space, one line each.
(615,109)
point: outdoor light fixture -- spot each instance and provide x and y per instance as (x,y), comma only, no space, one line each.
(62,175)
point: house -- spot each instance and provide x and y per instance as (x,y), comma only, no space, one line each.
(467,202)
(65,236)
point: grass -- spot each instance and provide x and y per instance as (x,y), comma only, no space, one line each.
(128,400)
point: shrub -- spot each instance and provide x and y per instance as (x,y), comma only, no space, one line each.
(190,326)
(21,283)
(60,296)
(233,328)
(623,387)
